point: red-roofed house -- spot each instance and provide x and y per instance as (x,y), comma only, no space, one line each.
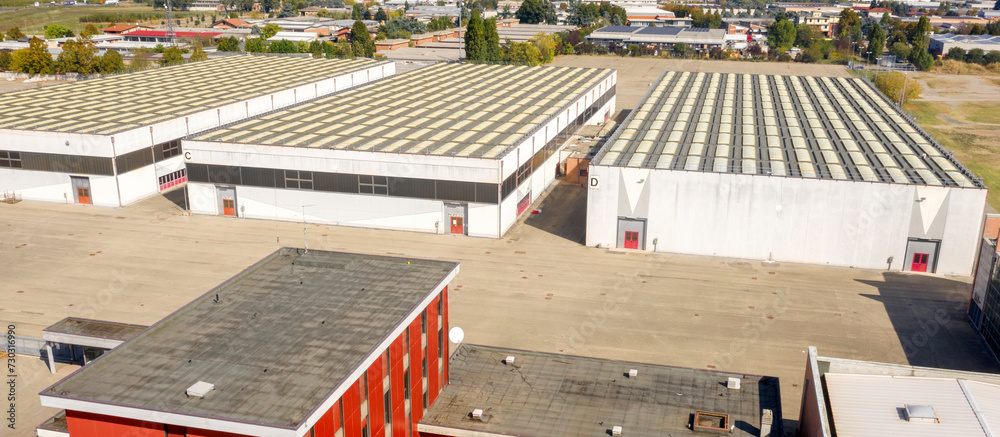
(122,29)
(231,23)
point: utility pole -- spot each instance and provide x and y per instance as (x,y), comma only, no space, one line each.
(171,35)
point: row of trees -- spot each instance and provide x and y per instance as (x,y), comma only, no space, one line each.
(80,56)
(482,44)
(536,11)
(587,14)
(361,45)
(974,56)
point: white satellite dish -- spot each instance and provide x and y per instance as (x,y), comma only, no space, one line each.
(456,335)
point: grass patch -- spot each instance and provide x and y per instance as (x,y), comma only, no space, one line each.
(33,20)
(927,112)
(981,113)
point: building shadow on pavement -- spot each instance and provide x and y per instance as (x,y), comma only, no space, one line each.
(929,314)
(563,212)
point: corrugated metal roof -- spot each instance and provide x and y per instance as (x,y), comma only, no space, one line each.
(874,405)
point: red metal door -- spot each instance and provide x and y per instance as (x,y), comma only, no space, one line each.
(457,225)
(229,207)
(83,195)
(919,262)
(631,239)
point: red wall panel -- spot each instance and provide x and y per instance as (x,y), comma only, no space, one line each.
(416,384)
(82,424)
(193,432)
(447,344)
(324,426)
(376,413)
(432,350)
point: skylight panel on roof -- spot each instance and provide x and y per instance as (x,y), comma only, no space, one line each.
(807,169)
(692,163)
(897,175)
(636,160)
(664,161)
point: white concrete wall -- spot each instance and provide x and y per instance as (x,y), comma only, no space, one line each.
(56,187)
(842,223)
(367,211)
(453,168)
(138,184)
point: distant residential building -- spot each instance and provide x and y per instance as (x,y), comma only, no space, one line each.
(849,398)
(207,5)
(644,16)
(311,11)
(941,43)
(821,21)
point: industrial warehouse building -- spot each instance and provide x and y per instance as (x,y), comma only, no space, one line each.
(450,148)
(302,343)
(661,38)
(116,140)
(984,306)
(851,398)
(782,168)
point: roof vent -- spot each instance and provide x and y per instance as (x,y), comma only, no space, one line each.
(733,383)
(616,430)
(509,360)
(921,413)
(632,373)
(199,389)
(477,413)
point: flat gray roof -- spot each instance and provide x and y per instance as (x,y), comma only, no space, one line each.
(284,334)
(543,394)
(472,110)
(95,328)
(117,103)
(813,127)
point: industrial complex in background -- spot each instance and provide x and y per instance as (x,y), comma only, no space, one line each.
(307,343)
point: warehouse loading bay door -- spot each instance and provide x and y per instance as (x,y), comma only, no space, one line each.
(227,201)
(921,255)
(455,214)
(631,233)
(81,189)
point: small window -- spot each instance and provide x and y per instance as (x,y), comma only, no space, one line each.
(406,386)
(299,180)
(171,149)
(373,185)
(423,322)
(10,159)
(388,410)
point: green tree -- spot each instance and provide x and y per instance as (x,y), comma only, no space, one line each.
(974,56)
(680,48)
(270,30)
(361,41)
(876,41)
(357,11)
(282,46)
(492,40)
(892,85)
(140,61)
(81,57)
(956,53)
(848,20)
(228,44)
(255,45)
(531,12)
(440,23)
(172,56)
(198,54)
(111,62)
(781,35)
(919,32)
(54,31)
(269,5)
(900,50)
(35,59)
(90,30)
(922,60)
(803,35)
(523,53)
(14,34)
(381,16)
(5,60)
(992,57)
(475,39)
(886,19)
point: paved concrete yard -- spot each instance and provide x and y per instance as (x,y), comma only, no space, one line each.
(538,288)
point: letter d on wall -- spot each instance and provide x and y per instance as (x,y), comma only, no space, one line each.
(594,181)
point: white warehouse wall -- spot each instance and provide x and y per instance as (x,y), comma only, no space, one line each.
(843,223)
(367,211)
(56,187)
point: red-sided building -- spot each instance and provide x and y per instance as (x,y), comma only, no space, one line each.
(303,343)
